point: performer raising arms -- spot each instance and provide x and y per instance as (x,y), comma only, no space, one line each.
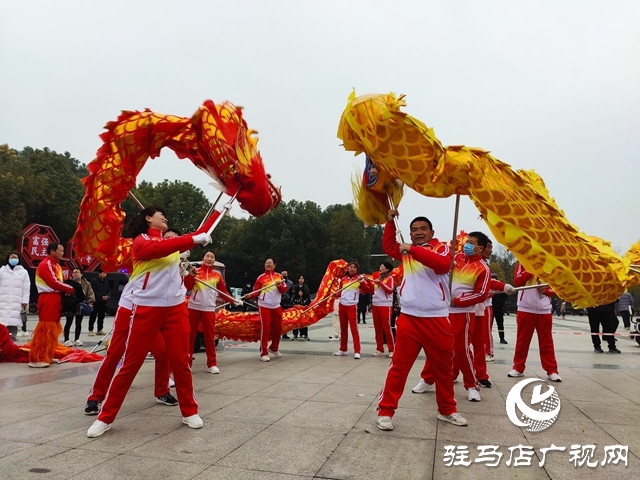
(158,306)
(382,304)
(269,288)
(202,305)
(48,329)
(423,322)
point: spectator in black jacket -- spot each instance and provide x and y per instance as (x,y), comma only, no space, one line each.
(101,291)
(301,296)
(603,315)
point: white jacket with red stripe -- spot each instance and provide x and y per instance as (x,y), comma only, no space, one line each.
(271,296)
(156,280)
(202,297)
(383,292)
(424,291)
(49,277)
(470,285)
(351,294)
(531,301)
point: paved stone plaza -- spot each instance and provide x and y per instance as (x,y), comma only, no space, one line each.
(312,415)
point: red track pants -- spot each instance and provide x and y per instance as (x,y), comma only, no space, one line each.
(208,320)
(382,323)
(462,326)
(348,315)
(488,320)
(146,322)
(45,336)
(270,329)
(432,334)
(478,340)
(526,324)
(117,346)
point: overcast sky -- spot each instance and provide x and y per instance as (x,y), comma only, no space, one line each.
(548,85)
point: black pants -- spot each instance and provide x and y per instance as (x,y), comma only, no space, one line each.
(363,312)
(67,326)
(99,310)
(498,315)
(601,318)
(626,318)
(303,332)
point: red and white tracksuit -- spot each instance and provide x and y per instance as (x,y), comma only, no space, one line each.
(50,287)
(117,347)
(481,338)
(158,306)
(348,309)
(534,314)
(382,302)
(470,287)
(270,310)
(422,323)
(202,307)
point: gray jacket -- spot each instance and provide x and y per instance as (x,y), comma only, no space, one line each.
(625,301)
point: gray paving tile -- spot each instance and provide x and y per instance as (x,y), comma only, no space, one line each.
(292,390)
(206,445)
(283,449)
(352,394)
(255,410)
(130,466)
(361,455)
(319,416)
(238,386)
(217,472)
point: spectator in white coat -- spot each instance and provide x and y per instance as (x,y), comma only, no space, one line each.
(14,293)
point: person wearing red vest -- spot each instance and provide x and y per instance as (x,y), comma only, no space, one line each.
(271,286)
(423,322)
(202,305)
(382,304)
(50,287)
(534,314)
(352,285)
(158,306)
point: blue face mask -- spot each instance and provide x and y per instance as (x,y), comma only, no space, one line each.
(469,249)
(13,261)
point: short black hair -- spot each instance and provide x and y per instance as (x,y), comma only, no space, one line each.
(79,269)
(174,230)
(481,238)
(354,263)
(387,265)
(52,247)
(421,219)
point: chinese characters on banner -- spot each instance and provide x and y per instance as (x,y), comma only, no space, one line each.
(522,455)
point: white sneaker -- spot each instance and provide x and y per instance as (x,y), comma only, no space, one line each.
(265,358)
(515,373)
(98,428)
(194,421)
(356,356)
(423,387)
(38,364)
(68,343)
(78,343)
(384,423)
(390,354)
(171,382)
(340,353)
(454,419)
(473,395)
(488,358)
(213,370)
(377,354)
(276,354)
(554,377)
